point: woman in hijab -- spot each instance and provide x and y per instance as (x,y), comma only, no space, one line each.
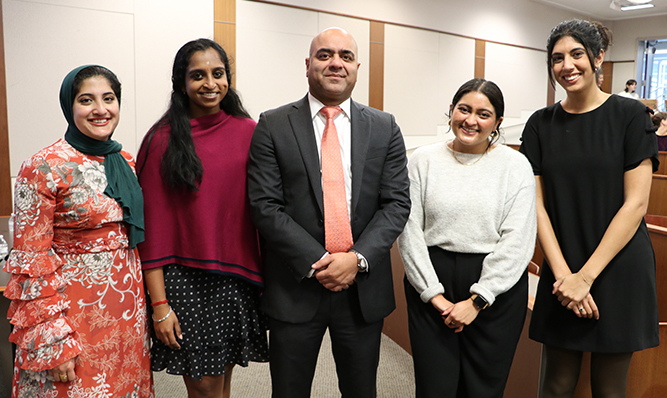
(77,291)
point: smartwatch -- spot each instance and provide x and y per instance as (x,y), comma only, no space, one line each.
(479,301)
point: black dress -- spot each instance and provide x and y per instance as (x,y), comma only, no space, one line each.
(582,159)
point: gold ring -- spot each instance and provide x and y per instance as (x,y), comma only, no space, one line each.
(63,377)
(451,323)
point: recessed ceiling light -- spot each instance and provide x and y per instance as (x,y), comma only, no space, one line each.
(639,1)
(636,7)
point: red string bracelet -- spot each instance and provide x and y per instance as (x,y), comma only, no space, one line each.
(159,302)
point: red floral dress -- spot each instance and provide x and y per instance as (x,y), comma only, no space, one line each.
(77,289)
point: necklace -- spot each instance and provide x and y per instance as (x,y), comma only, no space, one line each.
(459,160)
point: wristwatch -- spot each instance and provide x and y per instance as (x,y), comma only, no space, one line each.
(479,301)
(363,265)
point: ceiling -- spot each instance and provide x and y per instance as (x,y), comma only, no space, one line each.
(599,9)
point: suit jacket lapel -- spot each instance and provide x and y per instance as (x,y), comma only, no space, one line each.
(302,127)
(361,133)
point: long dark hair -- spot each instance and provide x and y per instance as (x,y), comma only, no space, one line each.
(594,36)
(181,167)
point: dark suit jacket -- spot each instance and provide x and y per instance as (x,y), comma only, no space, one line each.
(285,192)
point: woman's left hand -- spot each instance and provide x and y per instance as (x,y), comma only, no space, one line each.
(570,290)
(64,372)
(587,308)
(460,314)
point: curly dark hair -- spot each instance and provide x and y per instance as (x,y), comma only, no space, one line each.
(594,36)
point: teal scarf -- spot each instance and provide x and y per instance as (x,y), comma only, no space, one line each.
(122,184)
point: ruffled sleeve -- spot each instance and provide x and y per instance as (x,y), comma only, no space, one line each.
(44,336)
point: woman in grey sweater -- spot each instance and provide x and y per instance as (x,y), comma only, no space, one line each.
(466,247)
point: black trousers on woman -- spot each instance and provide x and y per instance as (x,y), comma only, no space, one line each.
(474,363)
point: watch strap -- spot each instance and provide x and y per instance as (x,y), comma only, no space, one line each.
(479,301)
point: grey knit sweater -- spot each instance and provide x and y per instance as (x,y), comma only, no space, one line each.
(485,207)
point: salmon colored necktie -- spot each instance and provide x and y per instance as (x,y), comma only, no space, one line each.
(337,231)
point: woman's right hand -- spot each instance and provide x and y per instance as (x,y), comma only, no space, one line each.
(169,329)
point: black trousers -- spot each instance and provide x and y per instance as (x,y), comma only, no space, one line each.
(293,349)
(474,363)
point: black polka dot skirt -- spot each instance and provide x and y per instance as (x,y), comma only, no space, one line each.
(220,321)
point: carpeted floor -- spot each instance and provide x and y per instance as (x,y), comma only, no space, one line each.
(395,376)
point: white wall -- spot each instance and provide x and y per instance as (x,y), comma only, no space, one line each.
(626,36)
(522,76)
(422,68)
(420,79)
(272,44)
(520,22)
(137,39)
(628,32)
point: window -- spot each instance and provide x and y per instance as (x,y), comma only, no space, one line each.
(652,55)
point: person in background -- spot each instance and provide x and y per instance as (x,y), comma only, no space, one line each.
(629,91)
(77,289)
(328,188)
(599,77)
(659,120)
(466,249)
(201,256)
(593,156)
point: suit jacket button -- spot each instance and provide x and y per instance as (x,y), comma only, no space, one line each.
(321,222)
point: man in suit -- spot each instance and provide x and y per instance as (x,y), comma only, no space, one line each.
(327,217)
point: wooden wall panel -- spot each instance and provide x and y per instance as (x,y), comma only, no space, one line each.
(657,201)
(376,68)
(480,57)
(224,10)
(657,227)
(396,324)
(608,69)
(5,169)
(662,156)
(224,30)
(647,377)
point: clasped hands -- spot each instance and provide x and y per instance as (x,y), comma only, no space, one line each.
(574,293)
(336,271)
(455,316)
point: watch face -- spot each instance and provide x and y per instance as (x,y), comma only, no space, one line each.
(480,302)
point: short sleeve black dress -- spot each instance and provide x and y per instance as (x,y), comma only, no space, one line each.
(582,159)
